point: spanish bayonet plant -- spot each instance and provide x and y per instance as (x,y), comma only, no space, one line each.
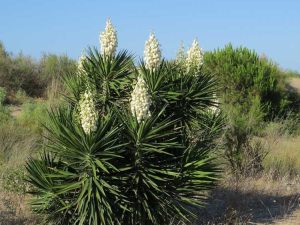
(132,145)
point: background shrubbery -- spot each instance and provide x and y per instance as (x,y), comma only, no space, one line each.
(245,77)
(262,129)
(22,74)
(254,92)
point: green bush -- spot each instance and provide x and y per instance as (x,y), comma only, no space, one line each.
(103,165)
(4,114)
(21,97)
(243,152)
(54,66)
(2,95)
(33,77)
(244,75)
(33,115)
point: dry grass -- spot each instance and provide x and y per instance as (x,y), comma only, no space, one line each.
(258,200)
(295,83)
(284,157)
(14,210)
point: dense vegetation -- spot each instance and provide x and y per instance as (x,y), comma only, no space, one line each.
(133,145)
(146,169)
(247,79)
(21,75)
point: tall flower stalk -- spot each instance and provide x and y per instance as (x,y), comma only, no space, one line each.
(140,100)
(80,68)
(181,55)
(152,52)
(87,112)
(194,59)
(109,40)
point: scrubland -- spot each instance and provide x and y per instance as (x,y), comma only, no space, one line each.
(262,189)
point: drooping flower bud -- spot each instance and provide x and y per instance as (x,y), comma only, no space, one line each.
(194,58)
(87,112)
(108,40)
(140,100)
(152,53)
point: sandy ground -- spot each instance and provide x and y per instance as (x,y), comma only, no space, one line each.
(253,201)
(295,83)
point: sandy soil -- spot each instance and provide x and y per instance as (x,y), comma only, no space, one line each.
(295,83)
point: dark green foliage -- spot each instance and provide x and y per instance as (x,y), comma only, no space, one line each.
(253,90)
(244,76)
(128,172)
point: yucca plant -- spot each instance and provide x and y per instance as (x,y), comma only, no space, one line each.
(133,144)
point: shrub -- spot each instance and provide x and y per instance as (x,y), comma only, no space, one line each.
(33,115)
(54,66)
(21,97)
(4,114)
(2,95)
(132,145)
(52,69)
(244,75)
(244,152)
(32,77)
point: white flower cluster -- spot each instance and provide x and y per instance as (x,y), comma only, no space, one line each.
(108,39)
(194,58)
(87,112)
(80,64)
(181,55)
(152,53)
(140,100)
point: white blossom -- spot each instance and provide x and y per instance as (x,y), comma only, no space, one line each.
(108,40)
(181,55)
(80,64)
(87,112)
(152,53)
(194,58)
(140,100)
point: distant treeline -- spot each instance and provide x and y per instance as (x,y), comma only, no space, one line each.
(241,72)
(23,73)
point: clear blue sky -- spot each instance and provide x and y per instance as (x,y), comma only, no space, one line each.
(64,26)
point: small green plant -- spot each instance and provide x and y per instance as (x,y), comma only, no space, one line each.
(4,114)
(33,115)
(244,152)
(21,97)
